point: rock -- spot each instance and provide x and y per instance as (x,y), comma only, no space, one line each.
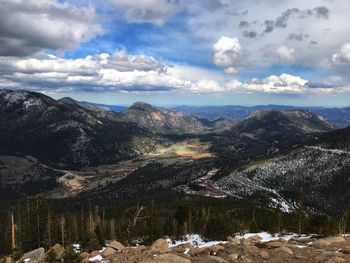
(37,255)
(321,243)
(264,254)
(246,243)
(247,260)
(218,259)
(285,250)
(255,238)
(85,255)
(275,244)
(170,258)
(195,251)
(335,260)
(337,239)
(160,244)
(58,250)
(108,252)
(232,240)
(216,248)
(116,245)
(233,257)
(94,254)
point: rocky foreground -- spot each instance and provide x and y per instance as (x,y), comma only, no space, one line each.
(253,249)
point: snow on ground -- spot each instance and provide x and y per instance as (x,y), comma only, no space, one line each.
(76,247)
(267,237)
(195,240)
(96,258)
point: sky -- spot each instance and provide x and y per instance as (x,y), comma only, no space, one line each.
(179,52)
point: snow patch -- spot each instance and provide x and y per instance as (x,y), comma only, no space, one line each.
(195,240)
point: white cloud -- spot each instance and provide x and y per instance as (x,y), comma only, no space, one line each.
(283,84)
(148,11)
(122,72)
(286,54)
(343,57)
(206,86)
(228,53)
(29,26)
(118,71)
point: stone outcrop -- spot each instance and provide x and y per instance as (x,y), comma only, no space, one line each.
(329,250)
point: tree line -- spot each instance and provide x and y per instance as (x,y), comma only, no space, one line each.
(40,222)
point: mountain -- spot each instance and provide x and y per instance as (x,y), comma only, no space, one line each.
(316,173)
(338,117)
(267,131)
(65,133)
(161,121)
(25,175)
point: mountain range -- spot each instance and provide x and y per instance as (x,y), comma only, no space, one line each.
(79,150)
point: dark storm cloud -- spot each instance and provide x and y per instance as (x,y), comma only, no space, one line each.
(321,12)
(269,26)
(249,34)
(243,24)
(297,37)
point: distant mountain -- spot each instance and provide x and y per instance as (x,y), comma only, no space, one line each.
(162,121)
(66,133)
(268,131)
(339,117)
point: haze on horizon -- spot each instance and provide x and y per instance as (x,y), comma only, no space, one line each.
(176,52)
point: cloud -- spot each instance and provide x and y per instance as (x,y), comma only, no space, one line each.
(284,84)
(286,54)
(205,86)
(319,12)
(343,56)
(297,37)
(243,24)
(29,26)
(227,53)
(148,11)
(118,72)
(249,34)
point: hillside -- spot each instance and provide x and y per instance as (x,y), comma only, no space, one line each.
(161,121)
(317,172)
(64,133)
(265,132)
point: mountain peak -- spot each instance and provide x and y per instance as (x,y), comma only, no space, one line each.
(140,105)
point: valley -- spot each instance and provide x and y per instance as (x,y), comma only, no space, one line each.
(75,157)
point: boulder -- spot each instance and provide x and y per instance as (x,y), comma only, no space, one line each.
(85,255)
(336,239)
(160,244)
(216,248)
(35,255)
(264,254)
(94,253)
(58,250)
(275,244)
(108,252)
(233,257)
(232,240)
(321,243)
(218,259)
(195,251)
(170,258)
(116,245)
(255,238)
(284,250)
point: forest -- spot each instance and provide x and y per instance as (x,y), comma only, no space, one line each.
(26,224)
